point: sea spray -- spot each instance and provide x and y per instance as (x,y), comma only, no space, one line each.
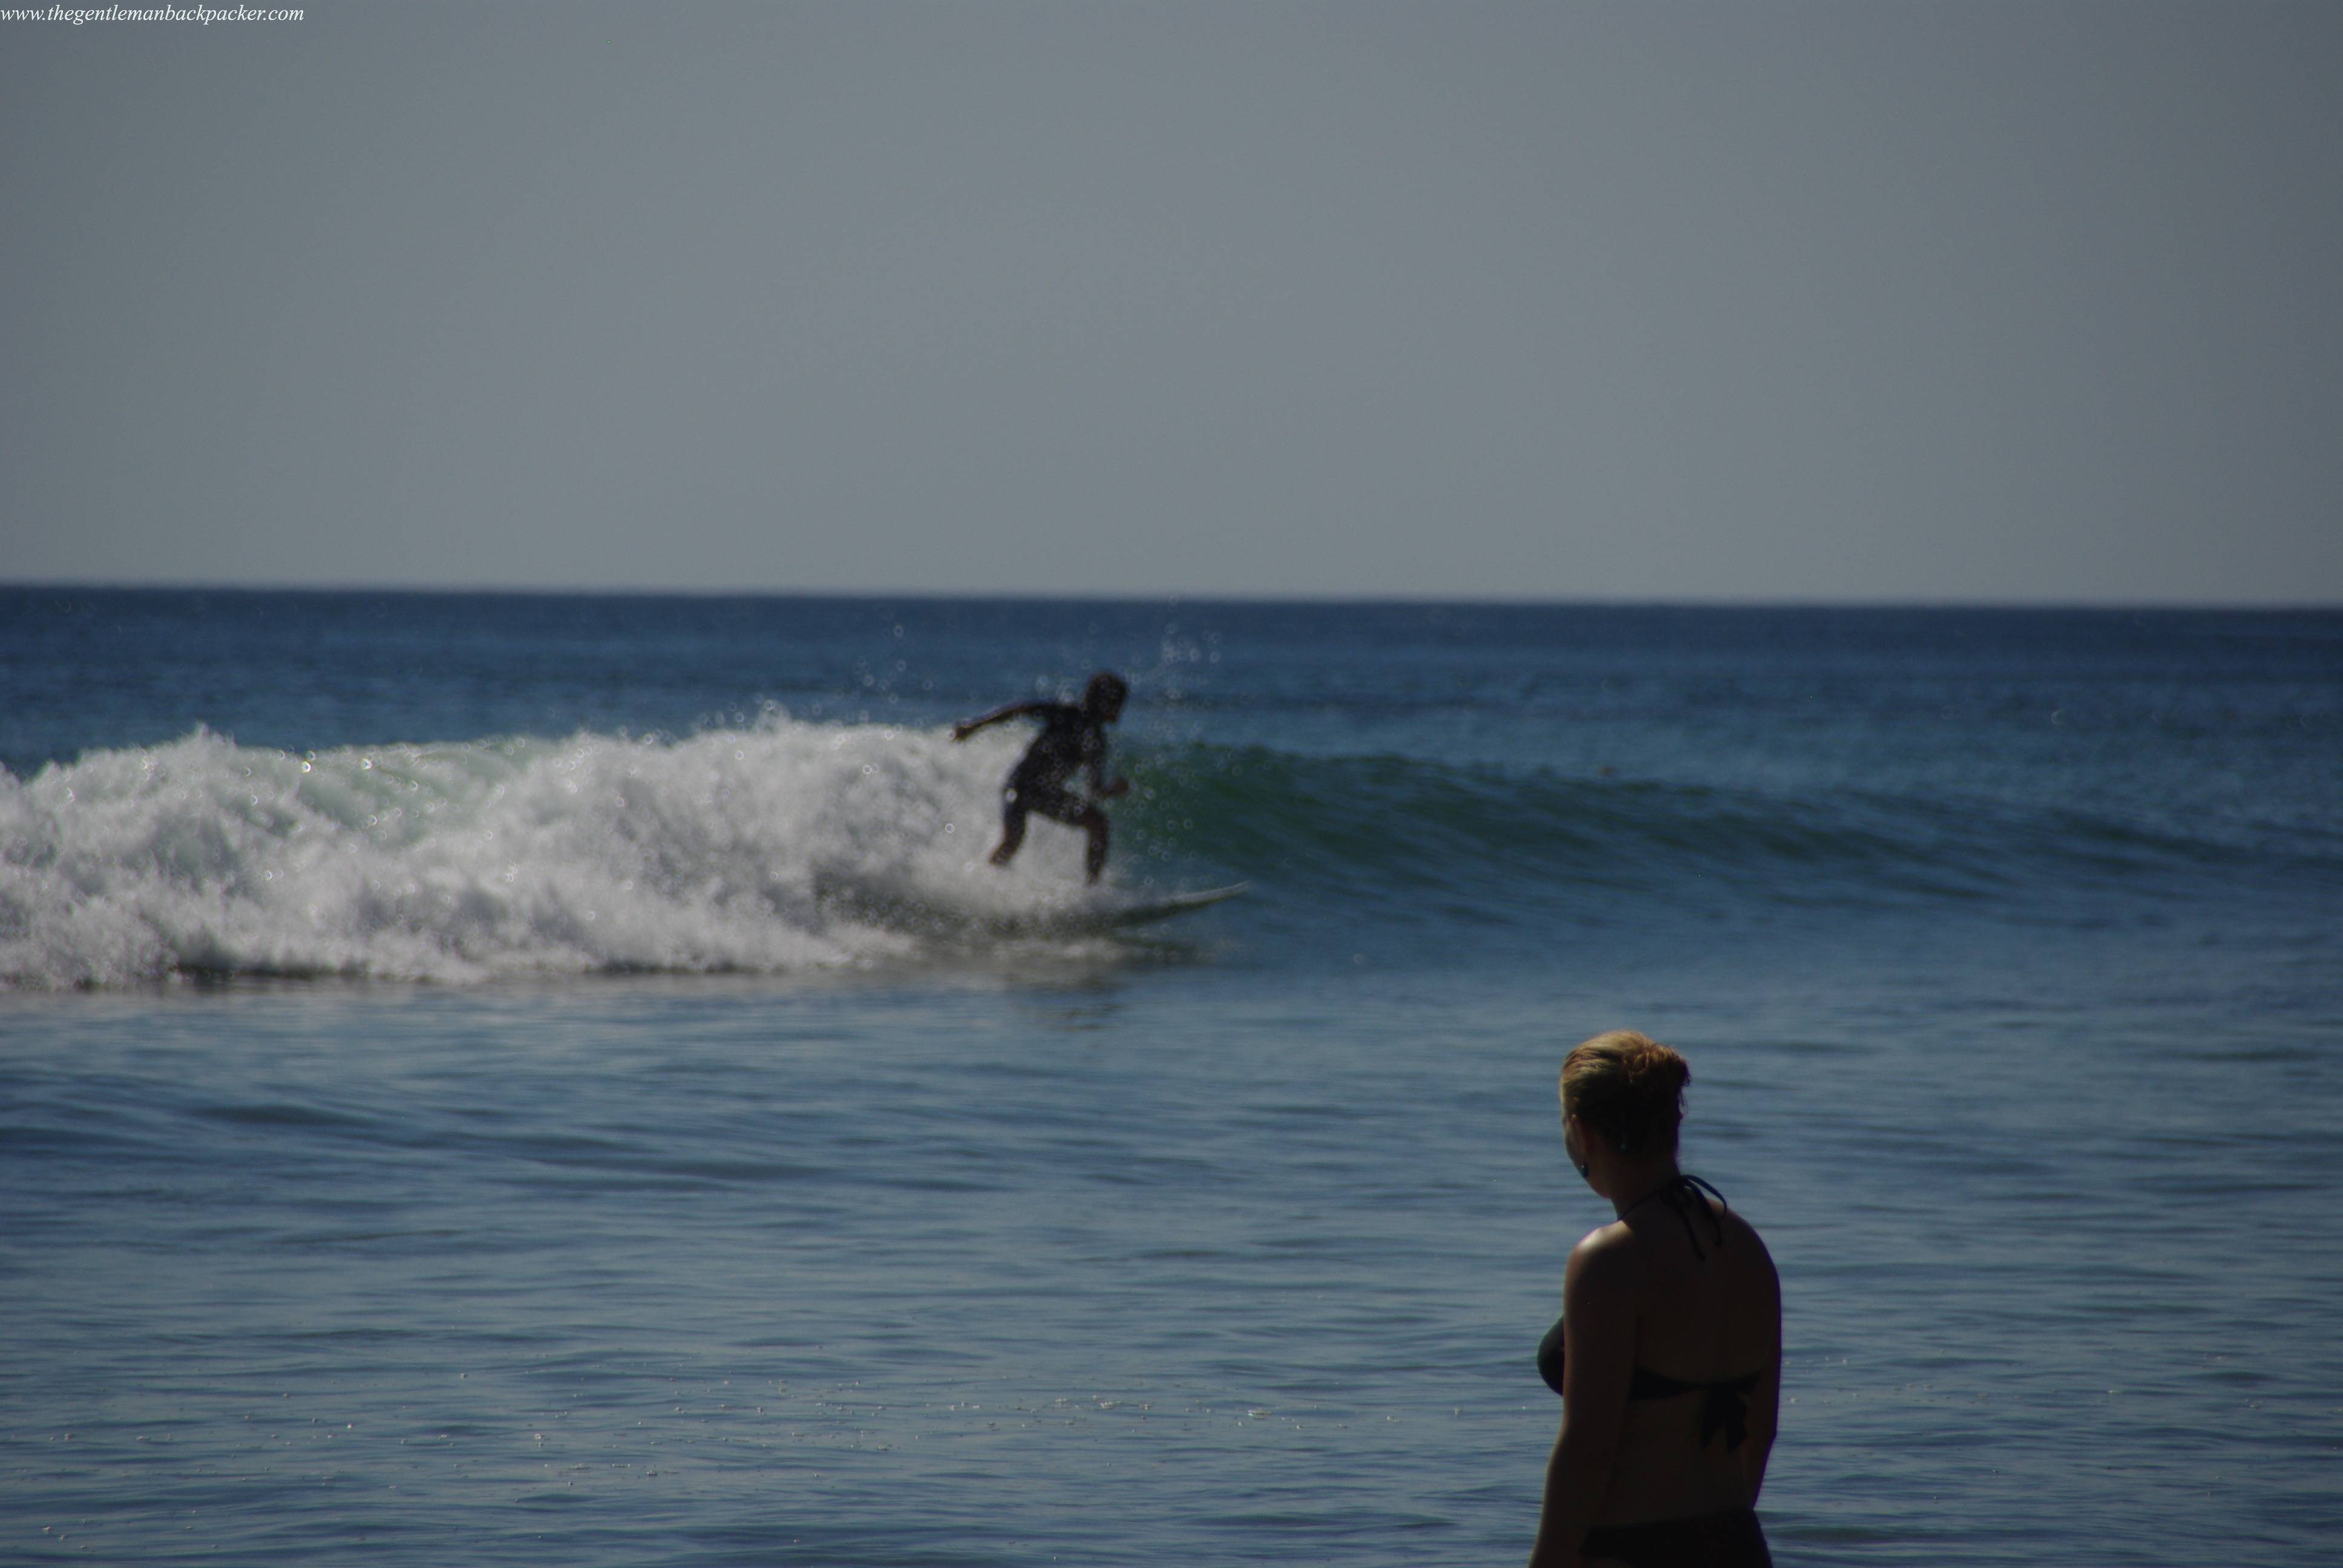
(777,847)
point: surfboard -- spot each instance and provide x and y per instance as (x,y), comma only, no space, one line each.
(1090,911)
(1147,912)
(1117,913)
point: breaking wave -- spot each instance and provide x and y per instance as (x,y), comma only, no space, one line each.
(778,848)
(786,847)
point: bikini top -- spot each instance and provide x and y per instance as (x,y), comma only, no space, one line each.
(1726,1408)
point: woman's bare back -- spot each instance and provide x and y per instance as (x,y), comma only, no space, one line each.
(1708,1319)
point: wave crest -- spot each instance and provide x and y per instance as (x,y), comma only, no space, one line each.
(763,849)
(1492,837)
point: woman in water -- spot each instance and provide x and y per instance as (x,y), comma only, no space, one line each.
(1670,1367)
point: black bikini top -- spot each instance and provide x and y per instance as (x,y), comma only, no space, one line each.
(1726,1407)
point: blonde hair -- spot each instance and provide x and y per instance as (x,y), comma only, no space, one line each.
(1629,1088)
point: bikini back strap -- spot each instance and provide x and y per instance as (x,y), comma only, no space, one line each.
(1682,1195)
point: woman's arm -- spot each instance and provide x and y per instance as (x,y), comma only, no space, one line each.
(1598,1312)
(1766,1399)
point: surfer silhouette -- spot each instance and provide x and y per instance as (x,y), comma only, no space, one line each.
(1071,738)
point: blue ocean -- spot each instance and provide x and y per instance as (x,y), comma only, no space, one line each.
(554,1080)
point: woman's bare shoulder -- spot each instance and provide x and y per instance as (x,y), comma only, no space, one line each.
(1751,1264)
(1740,1232)
(1604,1256)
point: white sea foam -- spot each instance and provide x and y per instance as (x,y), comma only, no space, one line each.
(782,847)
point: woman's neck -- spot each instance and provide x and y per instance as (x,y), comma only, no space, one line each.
(1635,1186)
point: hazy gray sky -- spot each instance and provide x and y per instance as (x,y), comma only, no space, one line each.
(1737,301)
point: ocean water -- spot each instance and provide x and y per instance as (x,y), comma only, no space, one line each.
(551,1079)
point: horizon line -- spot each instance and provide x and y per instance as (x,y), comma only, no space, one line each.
(1392,599)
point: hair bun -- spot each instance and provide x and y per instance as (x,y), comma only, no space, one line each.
(1629,1088)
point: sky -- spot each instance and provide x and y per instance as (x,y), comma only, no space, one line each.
(1807,303)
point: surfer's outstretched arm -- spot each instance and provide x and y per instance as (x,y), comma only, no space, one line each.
(968,726)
